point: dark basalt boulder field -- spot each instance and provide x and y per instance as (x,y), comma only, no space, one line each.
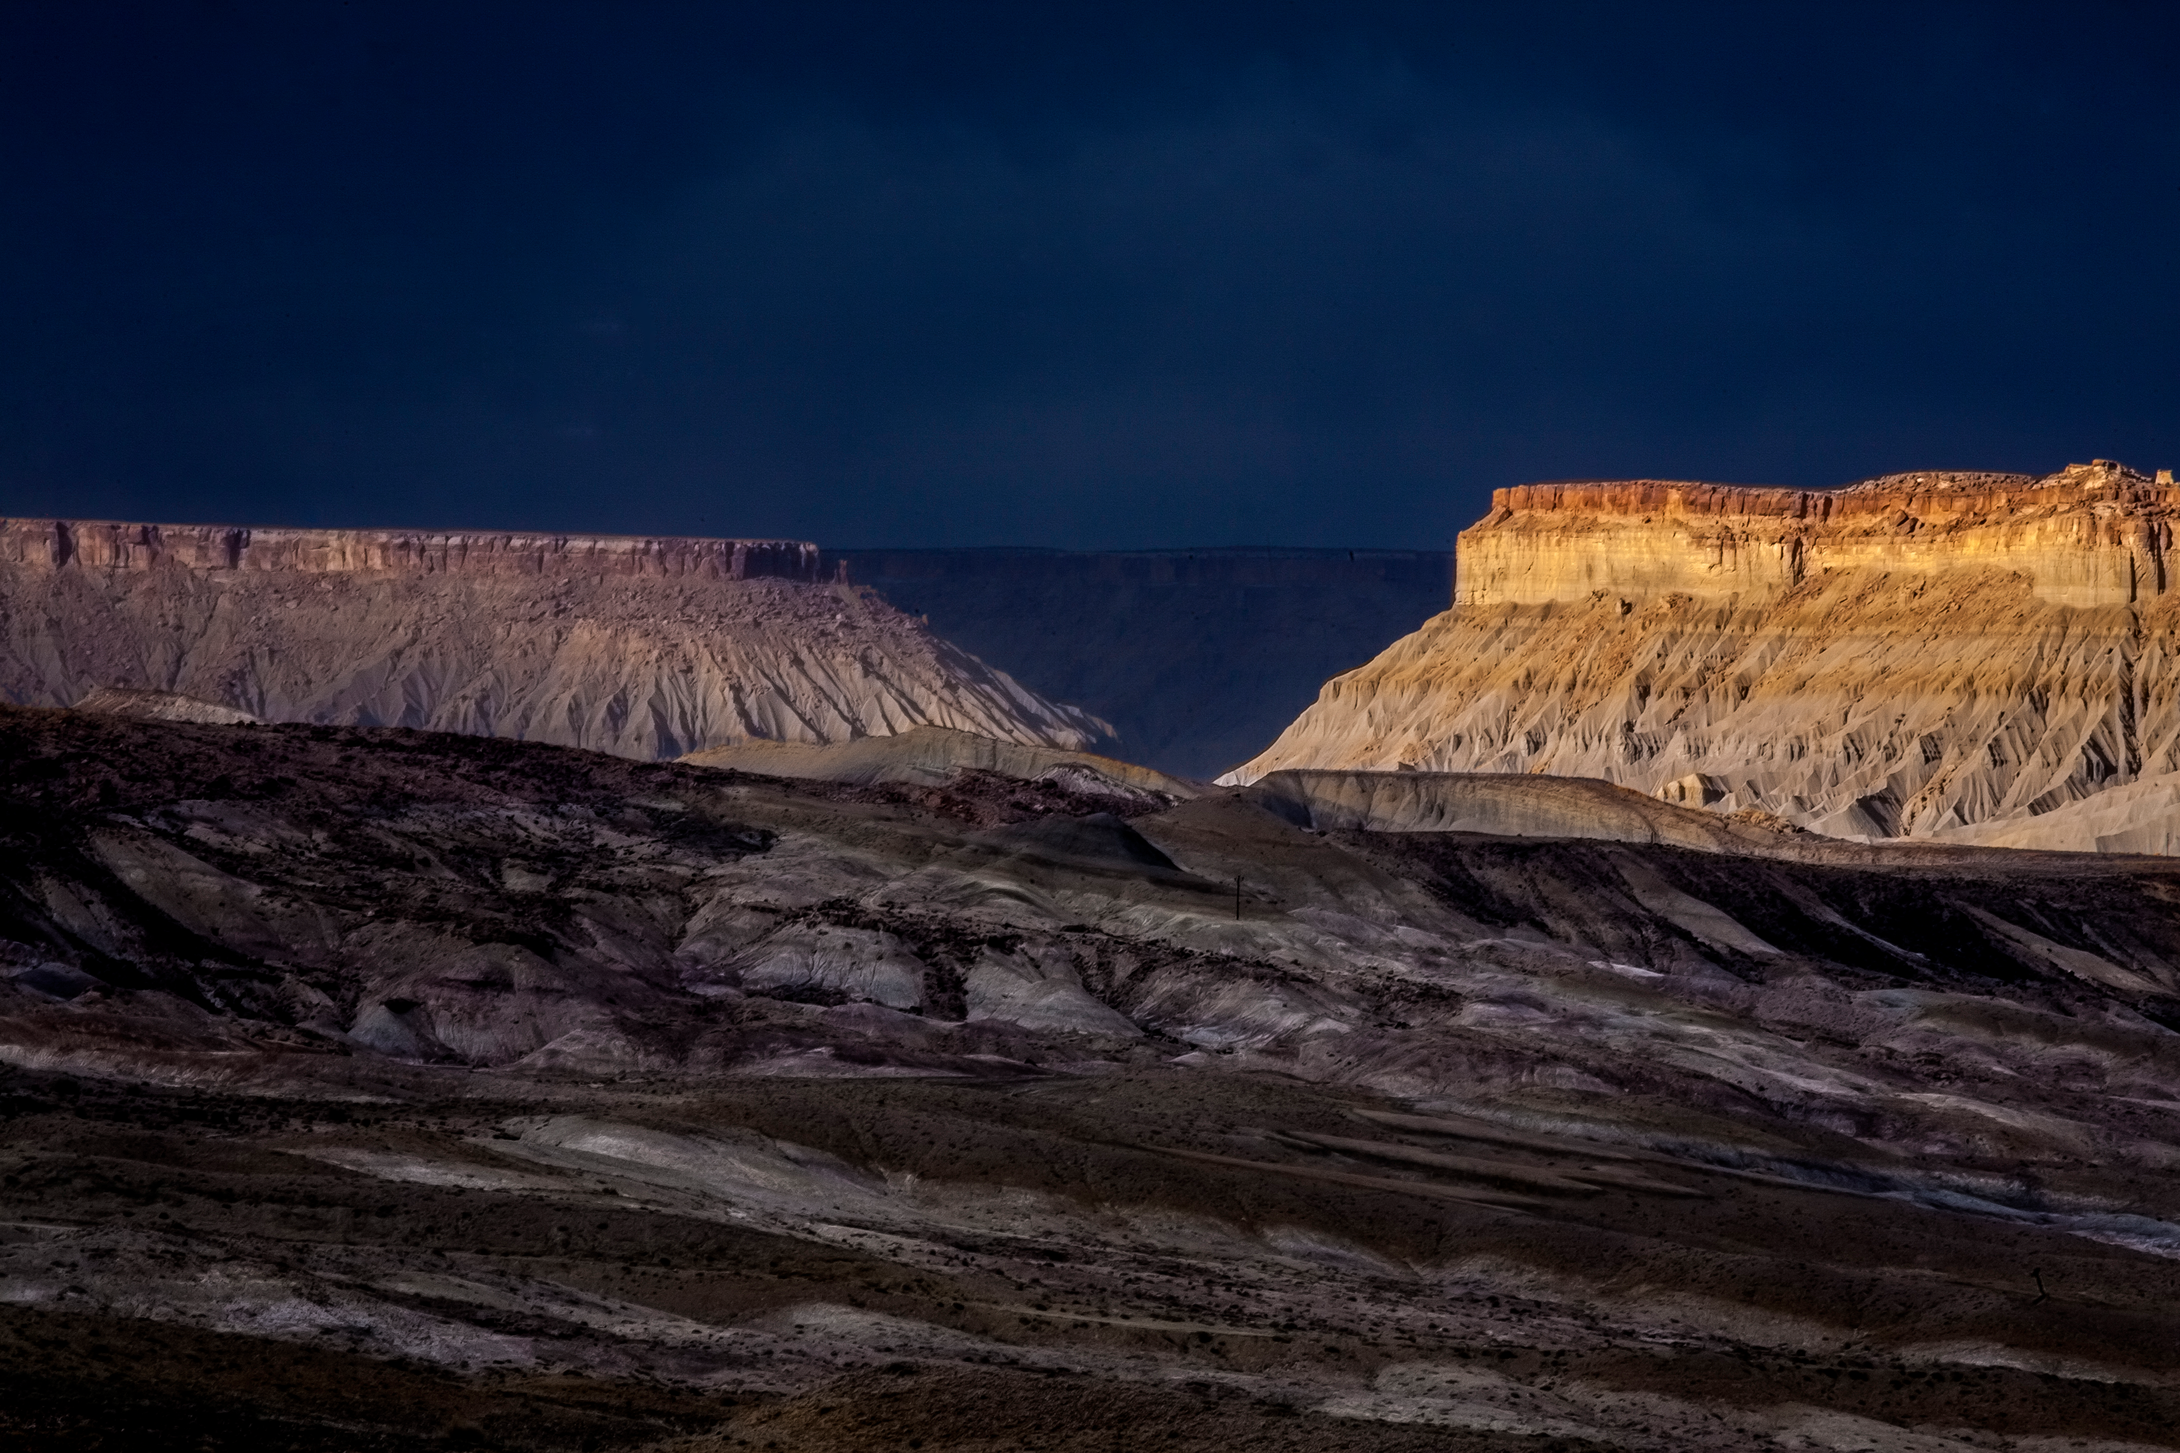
(382,1089)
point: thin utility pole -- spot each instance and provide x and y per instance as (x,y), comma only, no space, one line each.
(1237,898)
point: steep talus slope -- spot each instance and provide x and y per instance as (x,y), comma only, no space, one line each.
(642,647)
(411,1090)
(1918,656)
(1197,657)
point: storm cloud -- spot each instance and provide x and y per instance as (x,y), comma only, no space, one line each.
(1091,278)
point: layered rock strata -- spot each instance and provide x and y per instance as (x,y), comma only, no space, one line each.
(2091,535)
(1920,655)
(112,545)
(645,647)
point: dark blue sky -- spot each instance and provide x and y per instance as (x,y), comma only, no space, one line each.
(1089,277)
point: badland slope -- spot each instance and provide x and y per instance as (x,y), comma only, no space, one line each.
(1197,657)
(389,1089)
(641,647)
(1925,655)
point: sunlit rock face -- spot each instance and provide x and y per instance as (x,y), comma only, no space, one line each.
(2091,535)
(645,647)
(1920,655)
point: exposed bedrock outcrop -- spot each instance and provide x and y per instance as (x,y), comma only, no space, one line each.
(642,647)
(1921,655)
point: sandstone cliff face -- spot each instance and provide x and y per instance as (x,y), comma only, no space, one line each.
(2091,535)
(641,647)
(1922,655)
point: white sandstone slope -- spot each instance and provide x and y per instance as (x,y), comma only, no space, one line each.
(640,647)
(1975,657)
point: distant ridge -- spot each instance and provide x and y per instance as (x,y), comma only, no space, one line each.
(1197,657)
(641,646)
(115,545)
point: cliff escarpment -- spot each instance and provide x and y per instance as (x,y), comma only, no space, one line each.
(644,647)
(1950,656)
(2091,535)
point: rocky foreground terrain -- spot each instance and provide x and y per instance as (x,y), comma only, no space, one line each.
(641,647)
(1958,657)
(386,1089)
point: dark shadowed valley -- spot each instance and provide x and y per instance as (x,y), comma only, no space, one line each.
(1198,658)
